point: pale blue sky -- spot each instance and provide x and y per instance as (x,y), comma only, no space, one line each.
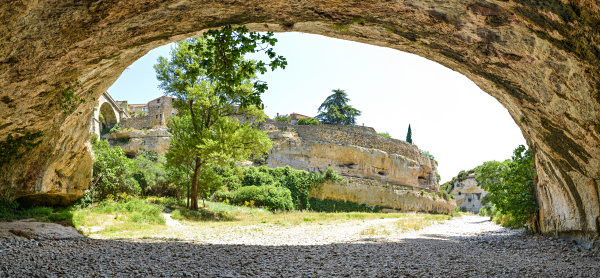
(450,116)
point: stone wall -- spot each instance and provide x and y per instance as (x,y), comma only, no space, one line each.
(388,197)
(136,123)
(362,136)
(133,141)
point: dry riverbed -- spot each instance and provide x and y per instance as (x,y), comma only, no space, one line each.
(468,246)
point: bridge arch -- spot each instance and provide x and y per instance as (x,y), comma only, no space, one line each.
(106,114)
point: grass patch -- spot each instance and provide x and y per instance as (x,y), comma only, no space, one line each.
(10,210)
(113,217)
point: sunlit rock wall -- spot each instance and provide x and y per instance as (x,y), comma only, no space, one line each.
(353,151)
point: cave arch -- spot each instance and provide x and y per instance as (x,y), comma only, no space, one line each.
(538,58)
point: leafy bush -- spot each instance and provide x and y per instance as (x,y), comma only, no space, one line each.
(269,196)
(335,206)
(283,118)
(113,172)
(307,121)
(299,182)
(115,128)
(384,134)
(8,209)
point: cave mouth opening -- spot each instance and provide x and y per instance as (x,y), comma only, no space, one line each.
(392,89)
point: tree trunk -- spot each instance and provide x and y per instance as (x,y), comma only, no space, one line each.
(194,196)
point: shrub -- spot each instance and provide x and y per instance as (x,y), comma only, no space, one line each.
(384,134)
(335,206)
(283,118)
(307,121)
(113,172)
(269,196)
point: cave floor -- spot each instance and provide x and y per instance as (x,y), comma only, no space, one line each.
(467,246)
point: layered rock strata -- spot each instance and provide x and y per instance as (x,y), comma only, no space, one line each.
(353,151)
(538,58)
(374,194)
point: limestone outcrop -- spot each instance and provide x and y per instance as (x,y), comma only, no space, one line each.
(133,141)
(353,151)
(373,194)
(468,195)
(538,58)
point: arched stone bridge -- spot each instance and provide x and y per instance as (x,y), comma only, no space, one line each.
(538,58)
(112,114)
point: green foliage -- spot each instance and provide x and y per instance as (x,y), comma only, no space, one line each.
(510,186)
(409,135)
(308,121)
(149,172)
(100,117)
(8,209)
(212,83)
(299,182)
(140,114)
(335,109)
(426,154)
(113,172)
(283,118)
(384,134)
(14,149)
(270,196)
(115,128)
(335,206)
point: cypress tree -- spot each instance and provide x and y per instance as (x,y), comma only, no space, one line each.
(409,135)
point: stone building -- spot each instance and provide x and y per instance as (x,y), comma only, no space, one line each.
(159,110)
(294,117)
(468,194)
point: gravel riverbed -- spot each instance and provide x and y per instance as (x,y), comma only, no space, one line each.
(468,246)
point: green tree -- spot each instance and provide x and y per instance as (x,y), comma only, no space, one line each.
(510,185)
(212,84)
(113,172)
(335,109)
(409,135)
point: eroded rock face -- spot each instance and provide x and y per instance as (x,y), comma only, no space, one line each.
(352,151)
(538,58)
(400,199)
(468,194)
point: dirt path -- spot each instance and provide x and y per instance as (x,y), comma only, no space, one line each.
(469,246)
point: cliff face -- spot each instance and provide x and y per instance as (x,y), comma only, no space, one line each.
(351,151)
(468,194)
(401,199)
(538,58)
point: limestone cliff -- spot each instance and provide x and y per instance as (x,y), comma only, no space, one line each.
(468,194)
(353,151)
(538,58)
(393,197)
